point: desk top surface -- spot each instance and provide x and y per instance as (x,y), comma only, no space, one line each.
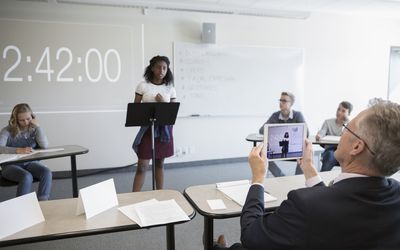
(61,220)
(259,138)
(278,187)
(322,142)
(69,150)
(255,137)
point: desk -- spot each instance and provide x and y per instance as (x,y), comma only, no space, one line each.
(322,142)
(61,221)
(260,138)
(278,187)
(255,138)
(69,150)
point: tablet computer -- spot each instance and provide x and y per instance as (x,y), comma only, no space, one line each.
(284,141)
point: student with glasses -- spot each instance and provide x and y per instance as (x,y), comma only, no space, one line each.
(285,115)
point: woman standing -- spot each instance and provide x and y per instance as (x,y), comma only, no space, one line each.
(21,136)
(285,145)
(157,87)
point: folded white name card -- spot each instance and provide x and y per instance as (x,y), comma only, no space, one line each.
(97,198)
(19,213)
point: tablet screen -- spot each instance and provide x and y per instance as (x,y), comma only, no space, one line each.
(284,141)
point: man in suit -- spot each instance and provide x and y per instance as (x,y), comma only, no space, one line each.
(360,210)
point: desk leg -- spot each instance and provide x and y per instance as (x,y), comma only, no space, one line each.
(170,237)
(208,233)
(74,177)
(254,144)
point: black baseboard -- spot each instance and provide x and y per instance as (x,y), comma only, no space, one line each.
(131,168)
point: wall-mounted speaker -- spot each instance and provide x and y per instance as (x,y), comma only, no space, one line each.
(208,34)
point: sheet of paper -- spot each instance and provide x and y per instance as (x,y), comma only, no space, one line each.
(8,157)
(97,198)
(130,210)
(13,157)
(19,213)
(49,150)
(238,193)
(217,204)
(232,183)
(162,212)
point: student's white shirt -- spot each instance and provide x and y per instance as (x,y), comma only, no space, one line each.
(149,90)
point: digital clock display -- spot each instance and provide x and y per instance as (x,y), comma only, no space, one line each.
(93,58)
(57,66)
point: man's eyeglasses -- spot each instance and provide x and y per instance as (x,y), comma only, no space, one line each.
(358,137)
(283,100)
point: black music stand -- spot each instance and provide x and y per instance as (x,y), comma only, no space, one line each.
(151,114)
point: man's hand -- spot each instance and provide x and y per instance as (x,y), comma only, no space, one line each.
(26,150)
(258,163)
(317,137)
(306,163)
(159,98)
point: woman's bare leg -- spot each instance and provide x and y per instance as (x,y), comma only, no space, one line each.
(140,175)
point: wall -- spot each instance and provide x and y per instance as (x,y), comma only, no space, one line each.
(346,58)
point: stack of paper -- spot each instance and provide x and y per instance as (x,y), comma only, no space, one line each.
(153,212)
(8,157)
(331,138)
(237,191)
(13,157)
(48,150)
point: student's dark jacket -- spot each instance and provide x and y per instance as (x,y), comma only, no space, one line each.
(274,118)
(356,213)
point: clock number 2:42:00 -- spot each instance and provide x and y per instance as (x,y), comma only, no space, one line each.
(44,64)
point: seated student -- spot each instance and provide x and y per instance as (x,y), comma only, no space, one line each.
(334,127)
(360,210)
(285,115)
(21,136)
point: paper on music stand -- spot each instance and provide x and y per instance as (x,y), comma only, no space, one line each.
(97,198)
(216,204)
(130,210)
(237,191)
(19,213)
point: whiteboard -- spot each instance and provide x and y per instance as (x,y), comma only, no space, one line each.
(225,80)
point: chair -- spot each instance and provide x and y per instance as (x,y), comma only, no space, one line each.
(7,183)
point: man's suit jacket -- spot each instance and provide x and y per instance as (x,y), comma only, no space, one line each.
(355,213)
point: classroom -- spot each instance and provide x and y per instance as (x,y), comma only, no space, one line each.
(246,97)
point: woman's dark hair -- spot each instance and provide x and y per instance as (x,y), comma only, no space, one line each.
(286,135)
(148,73)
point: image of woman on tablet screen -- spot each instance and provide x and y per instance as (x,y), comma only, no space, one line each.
(285,145)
